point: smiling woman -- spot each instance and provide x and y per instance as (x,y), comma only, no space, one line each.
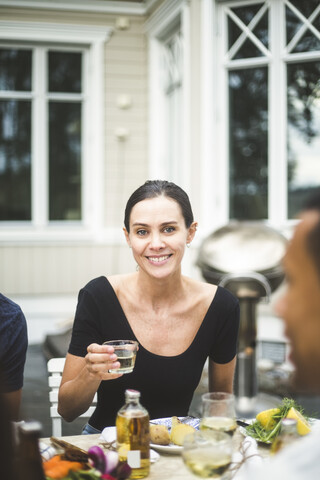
(177,321)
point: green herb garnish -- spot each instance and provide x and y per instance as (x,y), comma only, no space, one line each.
(257,431)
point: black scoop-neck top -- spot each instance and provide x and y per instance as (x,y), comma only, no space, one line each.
(166,383)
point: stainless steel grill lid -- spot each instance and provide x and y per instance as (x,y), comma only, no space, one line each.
(241,248)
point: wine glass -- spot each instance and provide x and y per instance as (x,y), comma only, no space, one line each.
(208,453)
(218,412)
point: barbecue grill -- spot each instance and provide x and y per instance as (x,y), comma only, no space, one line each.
(245,258)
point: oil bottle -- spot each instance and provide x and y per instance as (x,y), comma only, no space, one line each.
(133,435)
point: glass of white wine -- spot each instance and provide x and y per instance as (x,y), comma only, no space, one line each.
(218,412)
(208,454)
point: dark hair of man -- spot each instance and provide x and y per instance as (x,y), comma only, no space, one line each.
(157,188)
(313,239)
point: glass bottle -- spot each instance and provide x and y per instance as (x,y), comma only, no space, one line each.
(288,434)
(133,435)
(29,458)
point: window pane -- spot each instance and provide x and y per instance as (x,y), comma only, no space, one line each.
(308,41)
(303,132)
(64,161)
(248,49)
(248,140)
(306,8)
(65,72)
(15,160)
(15,70)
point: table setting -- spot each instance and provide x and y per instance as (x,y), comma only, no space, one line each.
(218,445)
(193,447)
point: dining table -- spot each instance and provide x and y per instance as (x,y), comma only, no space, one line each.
(170,466)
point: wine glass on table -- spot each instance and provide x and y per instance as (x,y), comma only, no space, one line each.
(208,453)
(218,412)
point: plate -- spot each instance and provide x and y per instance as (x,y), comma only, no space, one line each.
(172,448)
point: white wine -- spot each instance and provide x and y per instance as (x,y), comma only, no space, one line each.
(126,360)
(219,424)
(133,435)
(204,463)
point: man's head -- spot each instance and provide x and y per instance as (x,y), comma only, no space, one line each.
(300,306)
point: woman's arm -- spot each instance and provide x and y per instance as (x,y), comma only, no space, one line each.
(81,379)
(221,376)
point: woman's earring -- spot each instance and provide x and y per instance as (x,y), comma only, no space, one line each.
(188,245)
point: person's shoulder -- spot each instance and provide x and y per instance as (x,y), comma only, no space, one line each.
(9,310)
(111,283)
(227,296)
(200,289)
(13,324)
(121,281)
(8,304)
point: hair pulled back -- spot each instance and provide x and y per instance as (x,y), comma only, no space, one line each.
(157,188)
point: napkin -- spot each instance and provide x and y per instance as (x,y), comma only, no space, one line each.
(245,456)
(109,434)
(46,451)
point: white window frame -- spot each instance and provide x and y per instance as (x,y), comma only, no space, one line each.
(92,39)
(214,73)
(169,14)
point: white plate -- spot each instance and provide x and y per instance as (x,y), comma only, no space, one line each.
(172,448)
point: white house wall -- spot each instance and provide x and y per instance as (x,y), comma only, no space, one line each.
(31,268)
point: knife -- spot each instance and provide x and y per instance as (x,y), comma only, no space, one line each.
(241,423)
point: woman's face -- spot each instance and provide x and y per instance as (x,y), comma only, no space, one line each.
(158,235)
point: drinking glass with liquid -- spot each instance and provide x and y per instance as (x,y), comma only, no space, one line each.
(126,351)
(218,412)
(208,453)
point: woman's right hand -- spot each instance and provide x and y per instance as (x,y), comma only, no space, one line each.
(99,360)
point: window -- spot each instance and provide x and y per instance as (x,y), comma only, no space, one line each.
(51,154)
(54,94)
(270,52)
(15,134)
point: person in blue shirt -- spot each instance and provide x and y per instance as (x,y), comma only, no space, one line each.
(13,351)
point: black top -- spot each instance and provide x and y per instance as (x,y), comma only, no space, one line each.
(166,384)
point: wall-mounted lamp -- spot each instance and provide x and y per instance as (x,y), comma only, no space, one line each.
(121,133)
(122,23)
(124,101)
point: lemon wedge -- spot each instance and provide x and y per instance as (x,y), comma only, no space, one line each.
(303,426)
(265,418)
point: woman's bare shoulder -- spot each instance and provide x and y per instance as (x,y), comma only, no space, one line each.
(119,281)
(200,288)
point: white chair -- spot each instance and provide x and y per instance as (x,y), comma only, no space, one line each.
(55,369)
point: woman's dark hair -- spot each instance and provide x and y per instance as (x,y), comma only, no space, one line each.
(157,188)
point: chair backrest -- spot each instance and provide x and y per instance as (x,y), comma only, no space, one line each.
(55,369)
